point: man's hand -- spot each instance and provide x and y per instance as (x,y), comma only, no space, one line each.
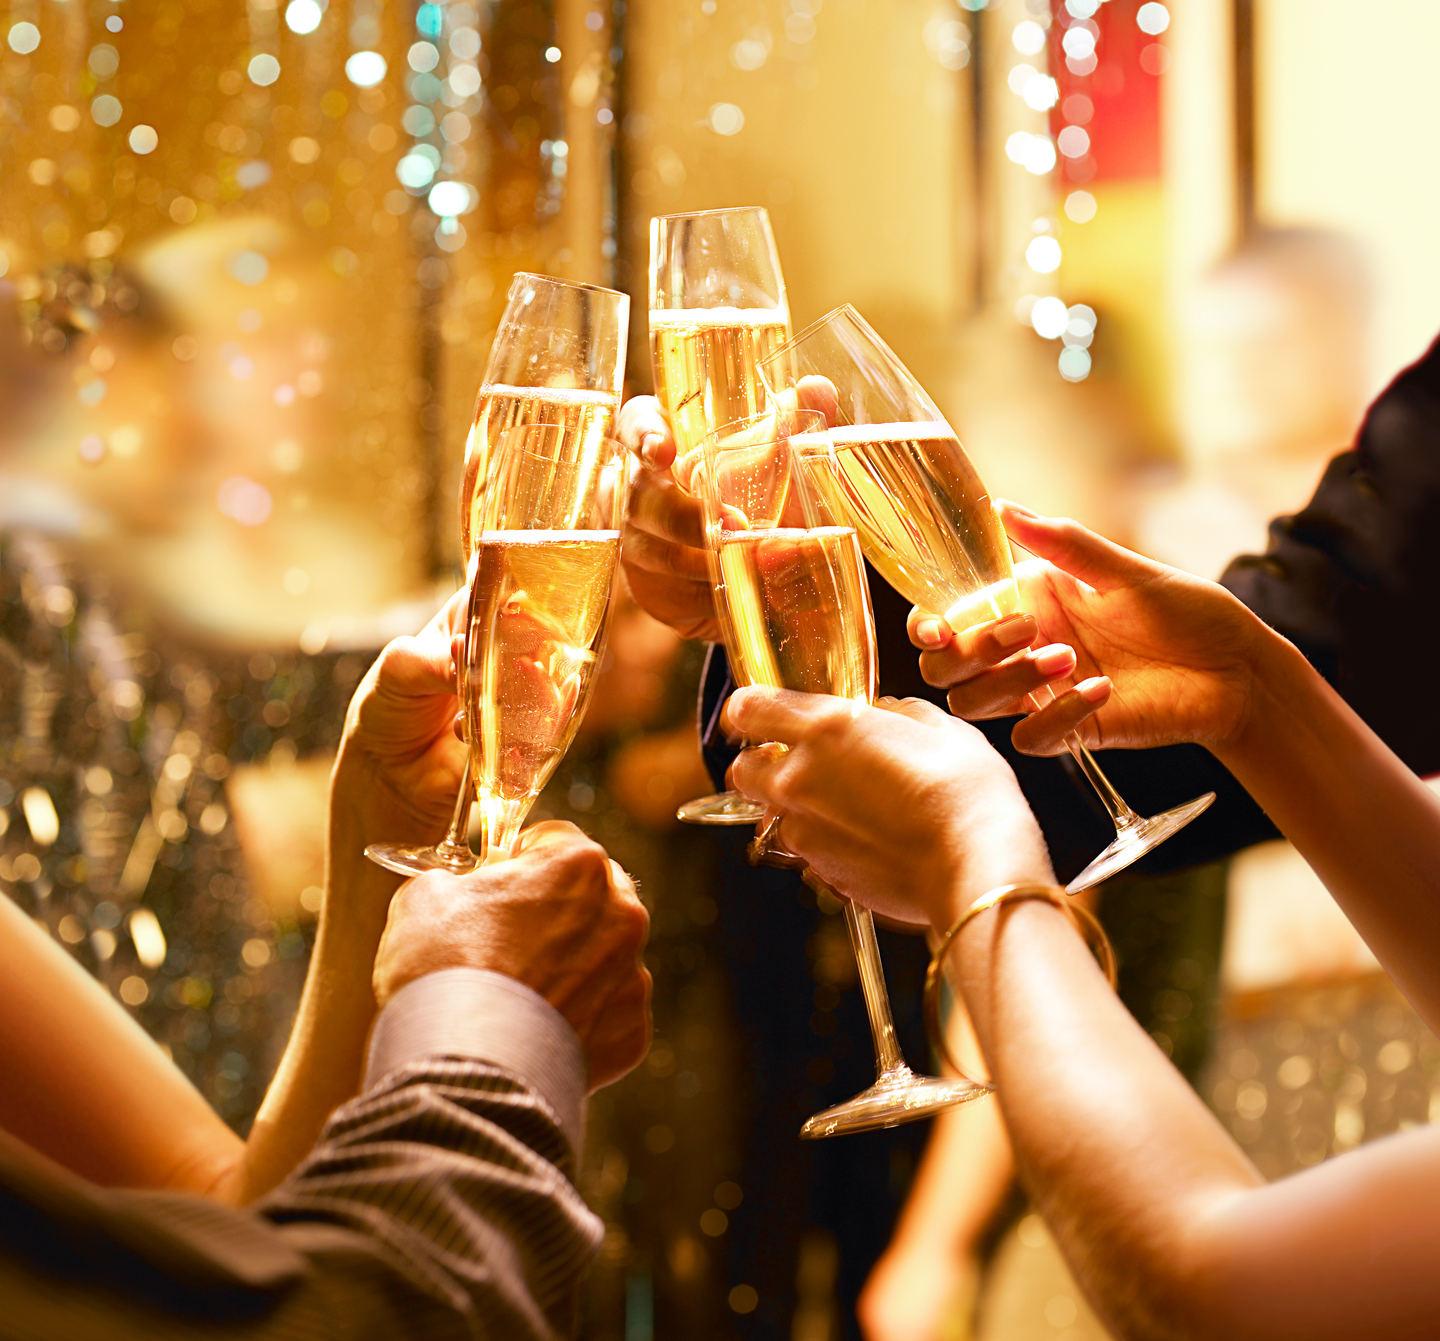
(897,806)
(663,551)
(560,917)
(1178,652)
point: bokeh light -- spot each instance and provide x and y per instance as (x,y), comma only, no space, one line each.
(1153,18)
(143,139)
(1028,37)
(726,119)
(24,38)
(1080,206)
(263,69)
(1043,255)
(365,69)
(302,16)
(1049,317)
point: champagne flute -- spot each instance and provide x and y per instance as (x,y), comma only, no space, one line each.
(794,606)
(717,308)
(542,578)
(558,359)
(925,519)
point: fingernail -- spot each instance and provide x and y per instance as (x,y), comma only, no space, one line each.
(1094,690)
(1015,631)
(1005,505)
(1054,660)
(928,631)
(649,445)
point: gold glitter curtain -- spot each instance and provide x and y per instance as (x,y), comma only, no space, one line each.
(126,124)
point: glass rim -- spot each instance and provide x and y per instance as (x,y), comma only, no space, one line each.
(844,309)
(757,418)
(567,283)
(702,214)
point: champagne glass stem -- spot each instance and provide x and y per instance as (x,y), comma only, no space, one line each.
(861,923)
(454,848)
(1121,816)
(501,829)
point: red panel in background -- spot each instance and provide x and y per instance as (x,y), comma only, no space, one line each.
(1125,127)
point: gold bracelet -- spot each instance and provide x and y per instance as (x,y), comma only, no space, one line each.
(1081,918)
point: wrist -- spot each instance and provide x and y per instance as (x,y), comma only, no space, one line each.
(1278,676)
(1015,854)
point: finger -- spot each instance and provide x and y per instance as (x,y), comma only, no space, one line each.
(760,713)
(686,606)
(1043,733)
(643,427)
(1075,549)
(976,649)
(546,833)
(818,393)
(926,631)
(653,553)
(754,774)
(660,507)
(458,726)
(451,615)
(416,667)
(1001,692)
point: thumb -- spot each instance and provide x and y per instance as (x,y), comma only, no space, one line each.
(1075,549)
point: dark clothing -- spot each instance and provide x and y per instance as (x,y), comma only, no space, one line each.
(437,1204)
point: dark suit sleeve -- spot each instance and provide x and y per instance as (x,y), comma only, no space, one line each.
(438,1204)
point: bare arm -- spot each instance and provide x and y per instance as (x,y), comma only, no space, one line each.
(930,1263)
(1187,662)
(86,1086)
(1169,1229)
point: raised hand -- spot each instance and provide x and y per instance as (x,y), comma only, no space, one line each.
(663,550)
(559,916)
(400,758)
(897,806)
(1159,656)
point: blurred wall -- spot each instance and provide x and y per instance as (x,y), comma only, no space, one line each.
(1344,110)
(850,130)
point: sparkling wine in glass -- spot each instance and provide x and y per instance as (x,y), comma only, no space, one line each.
(542,578)
(794,605)
(925,518)
(717,311)
(559,361)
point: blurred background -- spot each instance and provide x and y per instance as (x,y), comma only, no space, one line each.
(1153,260)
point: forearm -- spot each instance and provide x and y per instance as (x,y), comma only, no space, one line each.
(1365,823)
(1114,1147)
(325,1055)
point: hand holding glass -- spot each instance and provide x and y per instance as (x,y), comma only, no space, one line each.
(925,518)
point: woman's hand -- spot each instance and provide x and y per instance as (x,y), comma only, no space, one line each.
(663,550)
(400,761)
(897,806)
(1179,653)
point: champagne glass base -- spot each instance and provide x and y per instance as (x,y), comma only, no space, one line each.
(899,1095)
(1134,842)
(722,808)
(406,860)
